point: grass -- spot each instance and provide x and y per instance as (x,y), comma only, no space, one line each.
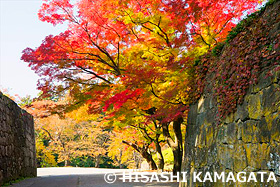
(15,181)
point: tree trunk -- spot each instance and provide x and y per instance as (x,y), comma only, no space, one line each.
(149,159)
(177,144)
(160,159)
(97,161)
(120,160)
(67,163)
(137,160)
(177,155)
(144,153)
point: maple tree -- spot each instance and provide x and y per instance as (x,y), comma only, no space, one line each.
(120,56)
(144,134)
(69,136)
(62,134)
(45,156)
(123,154)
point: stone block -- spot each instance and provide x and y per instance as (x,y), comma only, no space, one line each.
(192,115)
(200,106)
(225,153)
(229,118)
(231,133)
(249,131)
(209,136)
(239,157)
(257,154)
(201,138)
(254,105)
(221,135)
(241,112)
(200,159)
(201,119)
(276,74)
(271,99)
(263,82)
(275,128)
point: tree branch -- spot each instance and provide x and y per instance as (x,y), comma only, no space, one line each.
(91,72)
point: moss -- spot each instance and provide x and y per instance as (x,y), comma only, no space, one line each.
(256,154)
(254,106)
(218,49)
(209,136)
(269,120)
(239,158)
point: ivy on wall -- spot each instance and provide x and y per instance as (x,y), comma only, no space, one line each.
(232,66)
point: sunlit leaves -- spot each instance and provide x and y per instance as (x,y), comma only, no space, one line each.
(120,59)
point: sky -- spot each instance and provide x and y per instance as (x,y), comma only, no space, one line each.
(20,28)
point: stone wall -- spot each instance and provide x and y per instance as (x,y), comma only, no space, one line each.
(245,141)
(17,142)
